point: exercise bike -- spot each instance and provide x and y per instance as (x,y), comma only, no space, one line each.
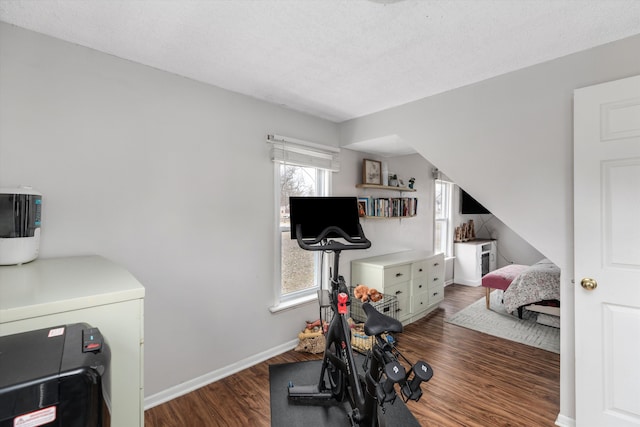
(340,380)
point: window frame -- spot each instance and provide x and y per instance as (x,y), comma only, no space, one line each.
(447,219)
(321,269)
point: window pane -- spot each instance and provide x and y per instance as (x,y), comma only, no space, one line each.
(443,237)
(439,206)
(440,243)
(299,268)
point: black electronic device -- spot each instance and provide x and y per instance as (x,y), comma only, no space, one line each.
(469,205)
(315,214)
(53,377)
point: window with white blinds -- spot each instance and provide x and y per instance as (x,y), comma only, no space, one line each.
(300,169)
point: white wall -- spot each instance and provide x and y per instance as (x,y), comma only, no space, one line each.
(509,142)
(167,176)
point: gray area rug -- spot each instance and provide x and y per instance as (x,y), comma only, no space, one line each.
(499,323)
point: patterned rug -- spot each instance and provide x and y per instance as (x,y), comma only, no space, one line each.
(499,323)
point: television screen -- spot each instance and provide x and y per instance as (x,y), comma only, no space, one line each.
(314,214)
(469,205)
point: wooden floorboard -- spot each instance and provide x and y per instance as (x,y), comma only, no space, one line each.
(479,380)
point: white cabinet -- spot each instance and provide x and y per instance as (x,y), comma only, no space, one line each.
(474,259)
(416,278)
(93,290)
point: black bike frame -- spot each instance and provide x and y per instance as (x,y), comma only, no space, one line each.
(339,334)
(363,402)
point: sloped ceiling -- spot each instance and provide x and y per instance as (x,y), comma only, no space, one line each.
(335,59)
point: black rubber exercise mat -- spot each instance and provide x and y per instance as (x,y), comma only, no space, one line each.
(286,414)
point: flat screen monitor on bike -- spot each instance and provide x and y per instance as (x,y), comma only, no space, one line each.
(314,214)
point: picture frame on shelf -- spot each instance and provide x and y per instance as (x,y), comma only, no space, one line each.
(363,206)
(371,172)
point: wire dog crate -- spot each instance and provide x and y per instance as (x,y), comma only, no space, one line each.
(361,342)
(388,305)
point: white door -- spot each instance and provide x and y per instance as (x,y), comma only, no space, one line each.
(607,253)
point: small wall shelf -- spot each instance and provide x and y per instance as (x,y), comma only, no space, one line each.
(386,217)
(384,187)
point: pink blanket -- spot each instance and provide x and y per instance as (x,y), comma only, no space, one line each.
(502,277)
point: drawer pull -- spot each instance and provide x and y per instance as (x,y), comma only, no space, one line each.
(436,264)
(420,270)
(420,286)
(398,292)
(398,274)
(435,279)
(435,293)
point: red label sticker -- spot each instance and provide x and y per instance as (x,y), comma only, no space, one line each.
(36,418)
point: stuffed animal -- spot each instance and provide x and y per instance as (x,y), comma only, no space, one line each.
(374,295)
(364,294)
(361,293)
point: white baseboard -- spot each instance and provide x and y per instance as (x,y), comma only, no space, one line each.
(203,380)
(563,421)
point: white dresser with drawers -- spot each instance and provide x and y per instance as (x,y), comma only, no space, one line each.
(416,278)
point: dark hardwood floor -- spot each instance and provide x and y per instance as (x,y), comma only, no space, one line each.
(479,380)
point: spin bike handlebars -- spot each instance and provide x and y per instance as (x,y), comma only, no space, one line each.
(321,243)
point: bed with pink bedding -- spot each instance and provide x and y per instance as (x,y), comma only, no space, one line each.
(524,285)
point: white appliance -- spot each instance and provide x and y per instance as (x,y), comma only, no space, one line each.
(20,218)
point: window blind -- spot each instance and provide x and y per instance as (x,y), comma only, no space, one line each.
(302,153)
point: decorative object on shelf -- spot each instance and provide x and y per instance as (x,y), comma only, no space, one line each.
(465,232)
(412,180)
(371,172)
(393,180)
(363,206)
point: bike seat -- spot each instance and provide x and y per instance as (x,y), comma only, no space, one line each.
(378,323)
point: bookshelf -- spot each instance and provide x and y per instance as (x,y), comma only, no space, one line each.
(387,207)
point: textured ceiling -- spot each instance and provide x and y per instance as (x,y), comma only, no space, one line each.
(336,59)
